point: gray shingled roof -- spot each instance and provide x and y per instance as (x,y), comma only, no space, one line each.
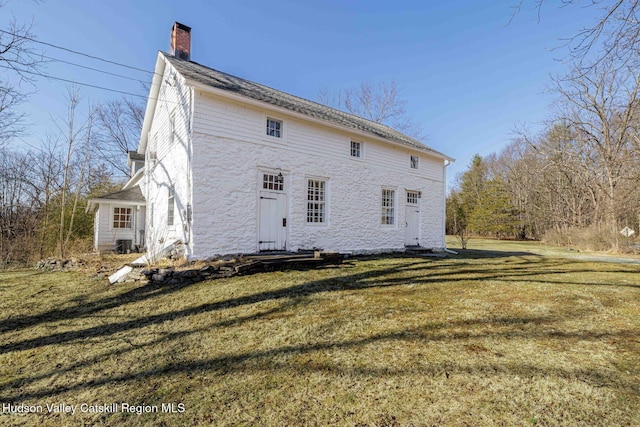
(219,80)
(133,194)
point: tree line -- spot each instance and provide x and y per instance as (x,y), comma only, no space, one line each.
(44,188)
(577,181)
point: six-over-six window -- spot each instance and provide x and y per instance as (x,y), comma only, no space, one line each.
(316,201)
(122,217)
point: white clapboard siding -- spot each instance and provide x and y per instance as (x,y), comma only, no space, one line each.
(225,119)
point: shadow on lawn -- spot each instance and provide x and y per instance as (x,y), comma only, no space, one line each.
(81,308)
(422,272)
(426,334)
(483,253)
(84,309)
(407,272)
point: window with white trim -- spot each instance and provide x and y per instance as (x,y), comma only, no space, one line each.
(272,182)
(414,162)
(316,201)
(356,149)
(412,197)
(171,203)
(388,206)
(122,217)
(274,127)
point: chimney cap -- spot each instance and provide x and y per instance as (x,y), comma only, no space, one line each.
(181,26)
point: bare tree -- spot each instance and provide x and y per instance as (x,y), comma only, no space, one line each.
(120,123)
(47,166)
(84,165)
(18,207)
(601,108)
(380,103)
(614,36)
(74,134)
(18,61)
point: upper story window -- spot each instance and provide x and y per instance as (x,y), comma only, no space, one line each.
(356,149)
(388,207)
(122,217)
(274,127)
(316,199)
(414,162)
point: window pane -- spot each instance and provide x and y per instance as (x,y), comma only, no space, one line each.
(388,211)
(274,128)
(171,205)
(122,217)
(272,182)
(355,149)
(315,201)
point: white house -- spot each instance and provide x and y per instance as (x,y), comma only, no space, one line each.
(233,166)
(119,222)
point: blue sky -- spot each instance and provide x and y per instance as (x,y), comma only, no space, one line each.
(468,75)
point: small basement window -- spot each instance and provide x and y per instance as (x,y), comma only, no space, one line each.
(274,128)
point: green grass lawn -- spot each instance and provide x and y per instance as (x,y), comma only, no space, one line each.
(486,337)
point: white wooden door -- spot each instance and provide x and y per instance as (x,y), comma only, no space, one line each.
(272,215)
(412,219)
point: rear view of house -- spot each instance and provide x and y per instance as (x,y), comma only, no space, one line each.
(232,166)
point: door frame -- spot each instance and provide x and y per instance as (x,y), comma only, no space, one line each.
(407,205)
(285,191)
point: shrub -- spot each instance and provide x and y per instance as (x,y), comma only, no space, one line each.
(591,238)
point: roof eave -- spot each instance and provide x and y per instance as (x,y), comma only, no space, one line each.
(98,200)
(134,179)
(152,101)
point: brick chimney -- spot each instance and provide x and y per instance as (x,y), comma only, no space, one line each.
(181,41)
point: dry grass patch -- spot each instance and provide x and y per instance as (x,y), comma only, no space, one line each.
(469,340)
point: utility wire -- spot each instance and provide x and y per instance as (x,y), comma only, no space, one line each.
(85,84)
(94,69)
(76,52)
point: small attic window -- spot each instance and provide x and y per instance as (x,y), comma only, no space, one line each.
(274,127)
(356,149)
(414,162)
